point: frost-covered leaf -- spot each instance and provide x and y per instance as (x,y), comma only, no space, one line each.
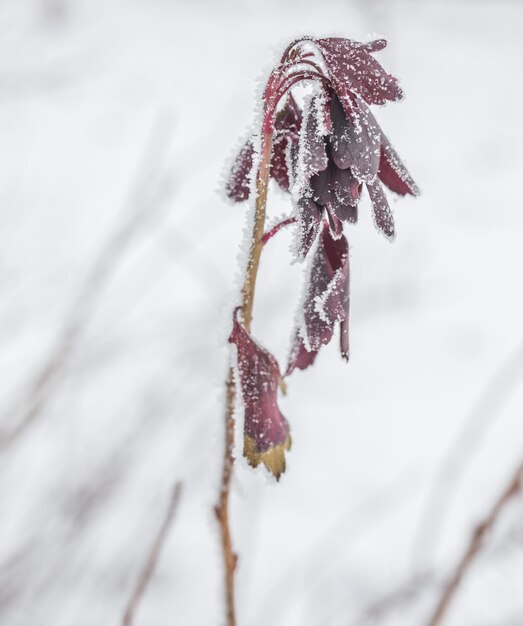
(287,128)
(309,220)
(326,302)
(352,69)
(382,214)
(335,224)
(312,143)
(355,140)
(345,186)
(237,186)
(266,431)
(336,188)
(393,173)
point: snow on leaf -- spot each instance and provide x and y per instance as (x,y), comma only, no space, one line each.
(287,127)
(266,431)
(393,173)
(355,140)
(326,301)
(309,220)
(238,185)
(383,218)
(352,69)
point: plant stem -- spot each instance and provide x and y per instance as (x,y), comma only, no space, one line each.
(222,508)
(270,233)
(262,185)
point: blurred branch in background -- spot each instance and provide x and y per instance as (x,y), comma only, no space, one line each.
(150,564)
(512,489)
(41,565)
(404,594)
(149,193)
(414,589)
(461,452)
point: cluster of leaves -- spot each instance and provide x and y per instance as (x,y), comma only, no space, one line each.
(323,155)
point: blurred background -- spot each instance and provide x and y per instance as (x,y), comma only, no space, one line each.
(118,270)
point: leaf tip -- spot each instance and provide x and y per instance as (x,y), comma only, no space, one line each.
(273,458)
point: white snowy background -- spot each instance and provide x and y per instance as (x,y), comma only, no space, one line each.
(118,266)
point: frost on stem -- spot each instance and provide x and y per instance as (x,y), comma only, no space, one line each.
(266,431)
(326,302)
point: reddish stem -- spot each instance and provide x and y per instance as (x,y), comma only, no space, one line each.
(270,233)
(287,83)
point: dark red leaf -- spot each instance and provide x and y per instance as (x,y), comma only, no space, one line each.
(351,68)
(309,220)
(393,173)
(382,213)
(314,156)
(326,302)
(287,128)
(355,140)
(266,431)
(237,186)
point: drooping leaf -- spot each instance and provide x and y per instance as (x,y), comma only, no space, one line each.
(352,68)
(326,301)
(286,132)
(237,186)
(382,214)
(393,173)
(266,431)
(308,224)
(355,141)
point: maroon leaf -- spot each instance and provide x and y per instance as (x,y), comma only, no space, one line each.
(287,128)
(266,431)
(351,68)
(237,186)
(326,302)
(382,213)
(393,173)
(321,186)
(345,187)
(346,213)
(309,220)
(355,140)
(314,154)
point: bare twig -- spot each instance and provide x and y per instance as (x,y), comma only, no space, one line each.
(222,508)
(152,558)
(457,459)
(148,193)
(514,487)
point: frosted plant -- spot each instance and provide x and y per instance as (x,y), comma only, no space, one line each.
(323,153)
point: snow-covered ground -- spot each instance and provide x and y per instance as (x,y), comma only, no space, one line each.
(116,118)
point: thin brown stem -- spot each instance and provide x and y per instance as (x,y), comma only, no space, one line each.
(262,186)
(476,542)
(152,558)
(222,508)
